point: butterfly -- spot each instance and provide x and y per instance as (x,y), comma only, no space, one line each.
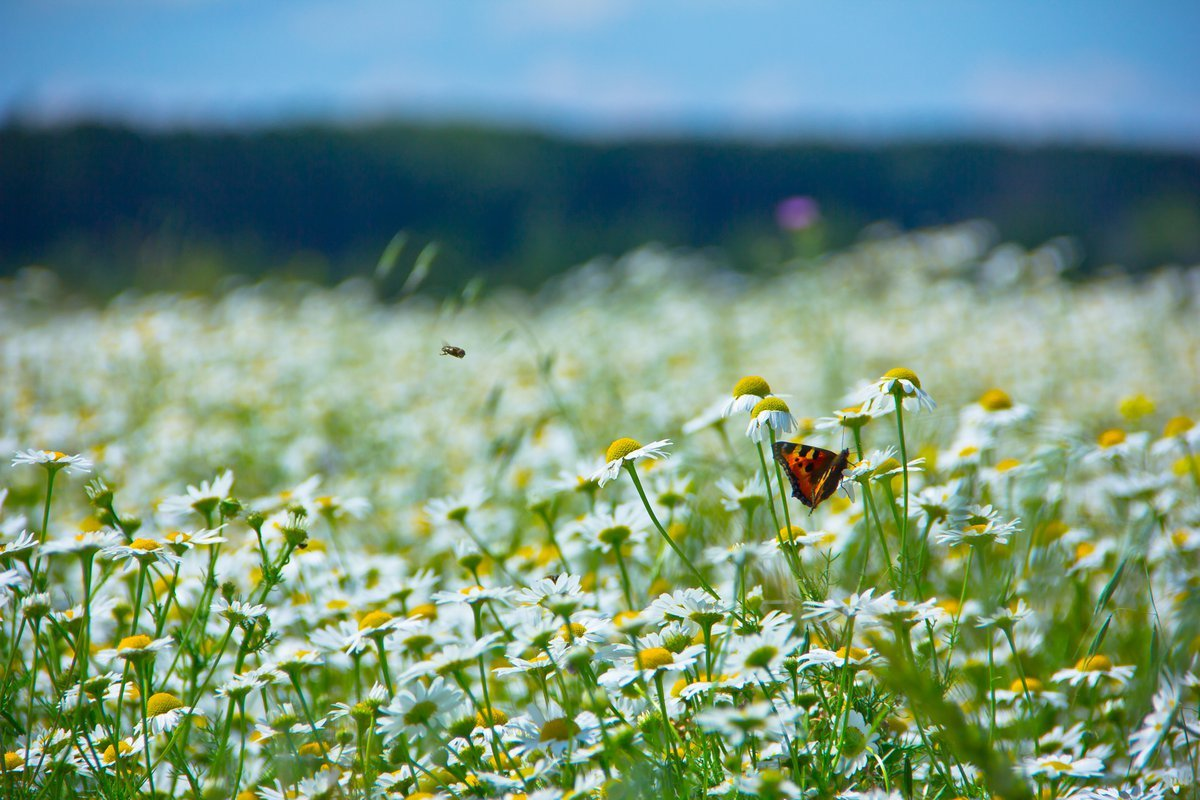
(815,473)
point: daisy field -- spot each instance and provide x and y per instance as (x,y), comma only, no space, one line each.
(274,544)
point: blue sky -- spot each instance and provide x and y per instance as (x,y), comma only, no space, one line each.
(1090,70)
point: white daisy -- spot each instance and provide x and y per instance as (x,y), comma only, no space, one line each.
(165,712)
(746,394)
(202,499)
(980,525)
(880,397)
(1061,765)
(627,451)
(1091,670)
(552,731)
(417,707)
(770,414)
(648,659)
(53,461)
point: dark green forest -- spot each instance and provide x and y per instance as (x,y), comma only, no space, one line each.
(111,207)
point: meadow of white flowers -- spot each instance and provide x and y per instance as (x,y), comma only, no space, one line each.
(273,544)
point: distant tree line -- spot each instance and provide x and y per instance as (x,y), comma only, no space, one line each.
(108,207)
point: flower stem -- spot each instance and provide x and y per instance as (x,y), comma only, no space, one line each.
(767,480)
(383,664)
(897,392)
(145,692)
(678,551)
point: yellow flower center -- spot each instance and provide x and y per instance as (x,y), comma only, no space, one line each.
(1054,530)
(146,545)
(904,374)
(1136,406)
(1084,549)
(1096,663)
(625,617)
(968,451)
(856,653)
(573,631)
(751,384)
(13,761)
(139,641)
(886,466)
(56,455)
(793,533)
(662,585)
(374,620)
(1004,465)
(488,717)
(1111,437)
(312,749)
(950,606)
(1033,683)
(1177,426)
(1183,466)
(771,403)
(424,611)
(654,657)
(621,448)
(110,753)
(995,400)
(558,730)
(161,703)
(1055,764)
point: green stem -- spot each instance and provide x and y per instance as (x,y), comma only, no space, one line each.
(678,551)
(762,460)
(873,511)
(145,692)
(1012,646)
(923,559)
(794,562)
(904,463)
(35,577)
(847,689)
(137,601)
(962,598)
(50,476)
(237,781)
(383,664)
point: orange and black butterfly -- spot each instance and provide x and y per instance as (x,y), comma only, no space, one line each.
(815,473)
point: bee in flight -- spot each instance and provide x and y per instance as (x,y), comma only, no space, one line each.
(451,350)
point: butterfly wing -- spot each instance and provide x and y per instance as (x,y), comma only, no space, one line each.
(814,473)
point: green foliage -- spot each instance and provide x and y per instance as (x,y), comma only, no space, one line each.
(109,208)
